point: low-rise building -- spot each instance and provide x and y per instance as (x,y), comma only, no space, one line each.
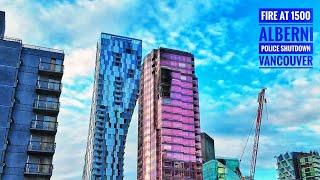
(221,169)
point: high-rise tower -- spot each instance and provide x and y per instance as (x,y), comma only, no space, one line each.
(169,137)
(30,87)
(116,86)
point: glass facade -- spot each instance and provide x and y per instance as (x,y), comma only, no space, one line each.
(28,112)
(169,140)
(116,86)
(286,168)
(221,169)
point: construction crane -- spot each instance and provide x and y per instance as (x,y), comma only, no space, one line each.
(261,103)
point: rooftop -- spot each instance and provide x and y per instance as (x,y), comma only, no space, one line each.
(175,51)
(12,39)
(43,48)
(119,36)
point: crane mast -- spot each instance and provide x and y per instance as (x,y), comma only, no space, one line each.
(261,102)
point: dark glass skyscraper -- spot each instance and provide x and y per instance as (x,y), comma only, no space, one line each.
(207,147)
(30,87)
(116,85)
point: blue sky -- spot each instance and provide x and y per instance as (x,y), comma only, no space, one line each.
(222,34)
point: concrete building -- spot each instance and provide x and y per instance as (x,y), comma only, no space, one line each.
(169,140)
(116,85)
(30,87)
(298,165)
(207,147)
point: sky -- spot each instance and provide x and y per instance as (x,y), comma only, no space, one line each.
(222,35)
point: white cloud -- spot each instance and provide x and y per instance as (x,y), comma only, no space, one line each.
(72,103)
(315,128)
(220,82)
(72,131)
(80,62)
(301,82)
(223,144)
(232,147)
(294,104)
(71,144)
(130,157)
(210,57)
(292,108)
(19,20)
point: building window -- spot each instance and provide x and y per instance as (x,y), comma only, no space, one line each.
(182,65)
(166,101)
(118,78)
(117,61)
(165,82)
(128,51)
(117,55)
(130,73)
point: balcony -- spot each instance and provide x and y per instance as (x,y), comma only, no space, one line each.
(98,160)
(44,127)
(38,170)
(198,146)
(197,124)
(40,147)
(198,139)
(46,107)
(197,131)
(51,69)
(197,116)
(98,148)
(48,88)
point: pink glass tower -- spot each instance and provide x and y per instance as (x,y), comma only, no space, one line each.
(169,139)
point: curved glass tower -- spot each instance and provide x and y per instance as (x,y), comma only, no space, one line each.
(116,87)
